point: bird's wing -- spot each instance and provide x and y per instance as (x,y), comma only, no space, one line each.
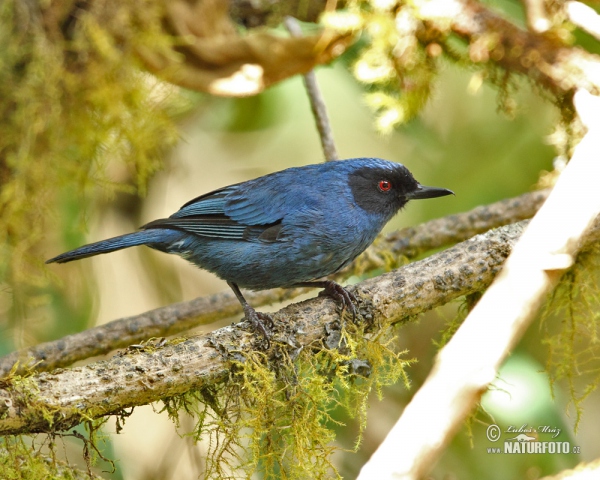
(211,203)
(208,226)
(207,216)
(262,201)
(273,198)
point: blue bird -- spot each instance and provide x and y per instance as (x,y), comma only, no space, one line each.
(285,229)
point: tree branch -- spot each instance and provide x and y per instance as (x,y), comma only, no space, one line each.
(180,317)
(414,241)
(57,401)
(252,14)
(160,322)
(545,60)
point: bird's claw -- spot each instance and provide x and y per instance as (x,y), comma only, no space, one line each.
(261,322)
(347,299)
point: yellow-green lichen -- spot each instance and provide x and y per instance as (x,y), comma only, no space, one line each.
(26,458)
(276,414)
(570,324)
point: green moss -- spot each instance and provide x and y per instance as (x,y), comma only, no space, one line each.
(469,301)
(21,460)
(275,413)
(570,326)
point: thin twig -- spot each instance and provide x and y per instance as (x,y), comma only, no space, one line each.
(180,317)
(317,103)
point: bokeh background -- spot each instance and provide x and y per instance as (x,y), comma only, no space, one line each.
(462,140)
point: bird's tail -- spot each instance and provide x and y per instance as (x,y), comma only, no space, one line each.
(143,237)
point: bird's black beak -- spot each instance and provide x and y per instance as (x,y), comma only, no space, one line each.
(428,192)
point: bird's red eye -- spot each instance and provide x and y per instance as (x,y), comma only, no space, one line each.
(385,185)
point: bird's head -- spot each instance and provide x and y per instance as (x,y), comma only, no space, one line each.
(385,187)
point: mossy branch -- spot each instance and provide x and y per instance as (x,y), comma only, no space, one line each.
(545,59)
(56,401)
(59,400)
(180,317)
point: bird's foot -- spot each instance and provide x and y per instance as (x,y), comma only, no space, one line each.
(261,322)
(347,299)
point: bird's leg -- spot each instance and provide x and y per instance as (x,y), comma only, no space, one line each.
(255,318)
(335,291)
